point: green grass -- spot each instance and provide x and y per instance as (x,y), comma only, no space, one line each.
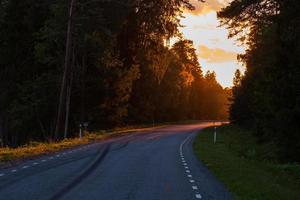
(248,170)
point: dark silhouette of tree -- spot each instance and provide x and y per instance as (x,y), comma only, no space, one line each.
(267,97)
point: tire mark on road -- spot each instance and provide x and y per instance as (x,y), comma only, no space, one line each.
(82,176)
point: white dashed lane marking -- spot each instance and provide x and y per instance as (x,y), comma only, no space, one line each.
(185,165)
(24,167)
(14,170)
(2,175)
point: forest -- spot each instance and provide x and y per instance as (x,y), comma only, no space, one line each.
(266,98)
(111,64)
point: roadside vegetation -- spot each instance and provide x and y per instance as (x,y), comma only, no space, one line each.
(248,169)
(266,97)
(8,154)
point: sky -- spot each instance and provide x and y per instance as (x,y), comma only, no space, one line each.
(215,51)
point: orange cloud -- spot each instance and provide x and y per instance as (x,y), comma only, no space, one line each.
(216,55)
(207,6)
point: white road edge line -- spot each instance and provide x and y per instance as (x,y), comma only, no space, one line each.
(181,145)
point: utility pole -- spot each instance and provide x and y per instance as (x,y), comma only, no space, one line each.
(66,74)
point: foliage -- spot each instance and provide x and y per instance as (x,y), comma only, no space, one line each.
(267,96)
(123,69)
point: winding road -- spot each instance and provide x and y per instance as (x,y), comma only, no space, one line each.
(156,164)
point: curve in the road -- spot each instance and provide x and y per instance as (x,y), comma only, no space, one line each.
(150,165)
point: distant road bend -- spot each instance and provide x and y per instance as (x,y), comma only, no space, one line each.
(151,165)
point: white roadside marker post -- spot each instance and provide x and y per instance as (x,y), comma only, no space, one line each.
(80,131)
(215,135)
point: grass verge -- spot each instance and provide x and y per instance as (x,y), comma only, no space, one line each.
(246,168)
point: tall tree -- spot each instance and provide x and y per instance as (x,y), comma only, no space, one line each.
(268,95)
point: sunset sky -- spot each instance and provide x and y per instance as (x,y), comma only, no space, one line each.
(215,51)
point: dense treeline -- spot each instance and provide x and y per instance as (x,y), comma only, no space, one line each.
(268,95)
(123,71)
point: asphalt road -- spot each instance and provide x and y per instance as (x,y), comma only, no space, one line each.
(152,165)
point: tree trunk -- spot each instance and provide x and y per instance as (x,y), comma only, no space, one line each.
(82,91)
(2,129)
(66,75)
(69,93)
